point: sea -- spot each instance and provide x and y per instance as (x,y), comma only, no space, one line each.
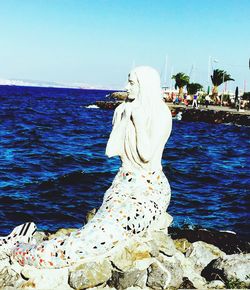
(53,168)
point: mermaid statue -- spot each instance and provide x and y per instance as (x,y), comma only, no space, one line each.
(137,200)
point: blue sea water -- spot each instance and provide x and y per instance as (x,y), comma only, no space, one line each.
(53,169)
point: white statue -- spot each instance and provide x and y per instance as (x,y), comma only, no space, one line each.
(139,194)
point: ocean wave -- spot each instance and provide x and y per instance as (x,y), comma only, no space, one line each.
(92,107)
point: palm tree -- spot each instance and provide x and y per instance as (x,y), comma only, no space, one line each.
(219,77)
(193,88)
(181,80)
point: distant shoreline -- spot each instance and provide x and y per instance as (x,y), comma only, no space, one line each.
(57,87)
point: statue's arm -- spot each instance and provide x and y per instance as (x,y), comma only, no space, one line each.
(118,113)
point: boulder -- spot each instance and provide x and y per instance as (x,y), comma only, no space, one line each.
(90,274)
(119,95)
(8,277)
(101,287)
(163,243)
(133,278)
(182,245)
(233,270)
(227,241)
(128,256)
(158,277)
(138,288)
(189,271)
(186,284)
(39,237)
(45,278)
(107,105)
(90,214)
(165,272)
(62,232)
(201,254)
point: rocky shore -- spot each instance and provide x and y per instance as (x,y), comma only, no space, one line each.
(215,116)
(177,259)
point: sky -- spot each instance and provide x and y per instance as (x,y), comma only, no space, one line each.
(98,41)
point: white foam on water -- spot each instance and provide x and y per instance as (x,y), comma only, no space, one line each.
(92,107)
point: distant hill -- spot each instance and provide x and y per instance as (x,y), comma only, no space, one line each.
(34,83)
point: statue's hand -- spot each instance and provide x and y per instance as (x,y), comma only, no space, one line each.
(138,116)
(118,113)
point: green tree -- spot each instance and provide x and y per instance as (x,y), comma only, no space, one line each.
(181,80)
(246,96)
(193,88)
(219,77)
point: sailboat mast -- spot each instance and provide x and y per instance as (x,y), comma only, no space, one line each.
(165,71)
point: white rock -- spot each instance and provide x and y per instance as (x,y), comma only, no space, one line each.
(201,254)
(138,288)
(189,271)
(127,257)
(39,237)
(163,243)
(143,264)
(102,287)
(165,272)
(232,268)
(216,284)
(45,278)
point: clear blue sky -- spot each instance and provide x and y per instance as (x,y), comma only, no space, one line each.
(97,41)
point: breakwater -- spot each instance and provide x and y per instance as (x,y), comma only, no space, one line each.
(178,259)
(214,115)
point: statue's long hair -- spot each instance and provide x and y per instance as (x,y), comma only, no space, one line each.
(150,92)
(149,99)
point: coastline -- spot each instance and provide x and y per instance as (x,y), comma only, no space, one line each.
(212,114)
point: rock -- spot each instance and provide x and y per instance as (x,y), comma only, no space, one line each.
(226,241)
(158,277)
(163,243)
(124,280)
(138,288)
(216,284)
(39,237)
(107,105)
(189,271)
(214,116)
(182,245)
(119,95)
(45,278)
(8,277)
(186,284)
(61,233)
(102,287)
(128,256)
(202,254)
(166,272)
(90,214)
(90,274)
(233,270)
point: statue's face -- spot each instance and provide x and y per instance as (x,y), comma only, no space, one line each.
(132,87)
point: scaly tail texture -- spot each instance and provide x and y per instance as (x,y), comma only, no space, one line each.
(20,234)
